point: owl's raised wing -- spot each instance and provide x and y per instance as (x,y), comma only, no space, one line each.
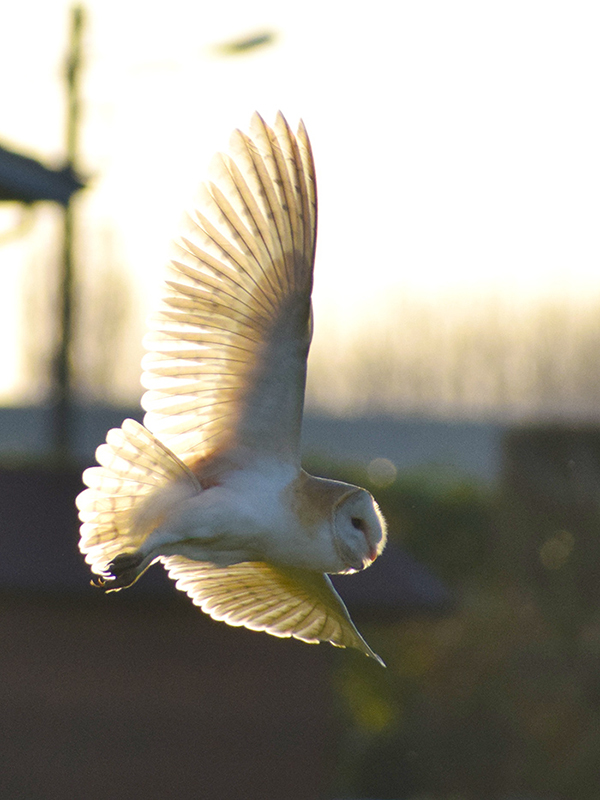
(282,601)
(227,350)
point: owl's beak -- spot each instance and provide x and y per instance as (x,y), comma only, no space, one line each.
(369,559)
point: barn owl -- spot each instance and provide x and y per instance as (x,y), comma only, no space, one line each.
(211,485)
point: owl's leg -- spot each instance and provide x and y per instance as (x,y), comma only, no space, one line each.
(192,530)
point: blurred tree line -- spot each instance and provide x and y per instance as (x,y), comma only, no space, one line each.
(494,356)
(500,698)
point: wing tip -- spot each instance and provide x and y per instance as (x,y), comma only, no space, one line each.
(360,644)
(378,659)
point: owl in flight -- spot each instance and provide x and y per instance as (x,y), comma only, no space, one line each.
(211,485)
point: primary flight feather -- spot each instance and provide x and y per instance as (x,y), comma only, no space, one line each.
(211,485)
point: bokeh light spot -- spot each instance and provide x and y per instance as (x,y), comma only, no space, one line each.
(382,472)
(556,550)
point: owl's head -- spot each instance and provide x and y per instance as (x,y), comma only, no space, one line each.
(359,529)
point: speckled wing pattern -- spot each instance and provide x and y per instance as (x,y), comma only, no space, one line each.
(283,602)
(228,347)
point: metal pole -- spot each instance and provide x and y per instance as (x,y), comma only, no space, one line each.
(62,367)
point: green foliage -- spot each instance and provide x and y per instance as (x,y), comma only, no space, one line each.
(500,698)
(443,519)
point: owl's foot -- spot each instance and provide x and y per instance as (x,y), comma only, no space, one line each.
(124,570)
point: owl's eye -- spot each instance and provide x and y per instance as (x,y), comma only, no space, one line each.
(358,523)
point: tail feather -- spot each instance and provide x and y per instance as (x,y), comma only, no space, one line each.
(117,509)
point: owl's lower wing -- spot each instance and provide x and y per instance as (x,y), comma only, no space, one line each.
(282,601)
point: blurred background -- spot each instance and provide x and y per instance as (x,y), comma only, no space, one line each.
(454,372)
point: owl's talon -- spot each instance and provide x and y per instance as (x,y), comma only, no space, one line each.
(123,571)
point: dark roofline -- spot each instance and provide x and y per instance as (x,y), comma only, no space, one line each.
(25,180)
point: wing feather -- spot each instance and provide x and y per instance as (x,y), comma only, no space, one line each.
(231,337)
(281,601)
(133,465)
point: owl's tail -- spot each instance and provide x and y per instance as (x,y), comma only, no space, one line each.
(129,493)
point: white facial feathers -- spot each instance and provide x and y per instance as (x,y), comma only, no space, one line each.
(359,529)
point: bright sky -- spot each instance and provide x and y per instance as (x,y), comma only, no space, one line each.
(457,143)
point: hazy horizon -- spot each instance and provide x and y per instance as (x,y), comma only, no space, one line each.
(457,162)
